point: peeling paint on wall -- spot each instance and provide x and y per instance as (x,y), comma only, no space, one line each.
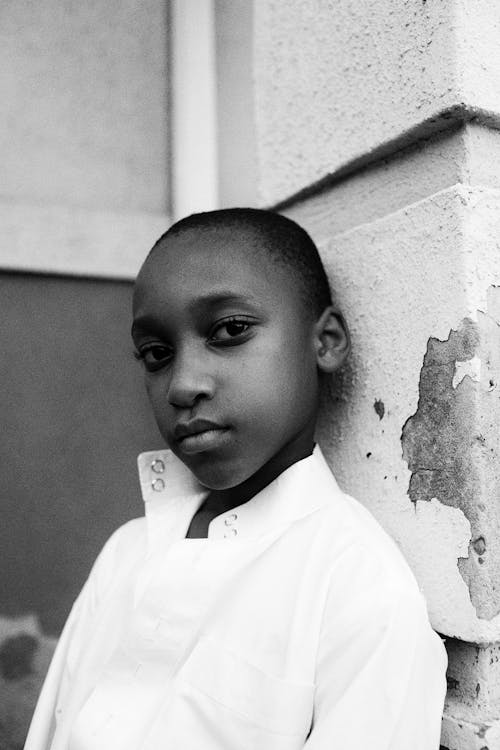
(470,367)
(379,407)
(451,443)
(436,438)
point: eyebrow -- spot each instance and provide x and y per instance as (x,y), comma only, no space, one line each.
(210,301)
(219,298)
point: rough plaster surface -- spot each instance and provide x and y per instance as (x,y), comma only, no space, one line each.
(406,177)
(473,681)
(25,654)
(404,280)
(477,29)
(459,734)
(459,155)
(415,66)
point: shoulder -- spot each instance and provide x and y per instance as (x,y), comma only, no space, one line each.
(126,545)
(372,541)
(364,565)
(372,595)
(347,530)
(121,550)
(376,644)
(132,533)
(371,588)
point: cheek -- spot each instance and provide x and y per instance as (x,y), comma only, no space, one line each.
(291,362)
(151,390)
(156,389)
(279,376)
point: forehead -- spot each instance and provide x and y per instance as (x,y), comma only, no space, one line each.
(199,263)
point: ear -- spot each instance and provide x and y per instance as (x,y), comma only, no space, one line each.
(331,340)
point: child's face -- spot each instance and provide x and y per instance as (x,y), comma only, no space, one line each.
(229,353)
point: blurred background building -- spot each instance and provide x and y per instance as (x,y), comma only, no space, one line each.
(116,117)
(376,126)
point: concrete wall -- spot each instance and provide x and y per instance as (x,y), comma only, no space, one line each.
(376,129)
(83,134)
(85,190)
(365,79)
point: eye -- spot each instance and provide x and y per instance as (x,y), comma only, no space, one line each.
(154,356)
(227,330)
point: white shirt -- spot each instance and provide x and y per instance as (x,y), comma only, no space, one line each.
(295,624)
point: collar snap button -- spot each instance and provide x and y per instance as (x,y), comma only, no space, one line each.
(158,466)
(230,532)
(158,485)
(230,519)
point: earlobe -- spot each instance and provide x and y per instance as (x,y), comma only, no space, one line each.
(332,340)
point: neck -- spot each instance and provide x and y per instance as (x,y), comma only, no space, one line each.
(221,501)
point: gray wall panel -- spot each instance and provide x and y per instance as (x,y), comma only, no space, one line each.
(74,415)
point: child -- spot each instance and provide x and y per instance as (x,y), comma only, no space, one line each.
(256,606)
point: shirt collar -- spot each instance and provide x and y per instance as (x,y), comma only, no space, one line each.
(172,495)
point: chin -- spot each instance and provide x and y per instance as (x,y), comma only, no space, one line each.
(220,475)
(214,479)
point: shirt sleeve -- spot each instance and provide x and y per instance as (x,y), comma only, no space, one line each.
(380,677)
(42,725)
(74,637)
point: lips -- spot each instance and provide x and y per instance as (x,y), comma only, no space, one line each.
(194,427)
(199,435)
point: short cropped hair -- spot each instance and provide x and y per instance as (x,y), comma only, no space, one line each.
(286,242)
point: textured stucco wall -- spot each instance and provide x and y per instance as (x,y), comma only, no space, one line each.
(338,83)
(405,283)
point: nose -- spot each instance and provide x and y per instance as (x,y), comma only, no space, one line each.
(190,379)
